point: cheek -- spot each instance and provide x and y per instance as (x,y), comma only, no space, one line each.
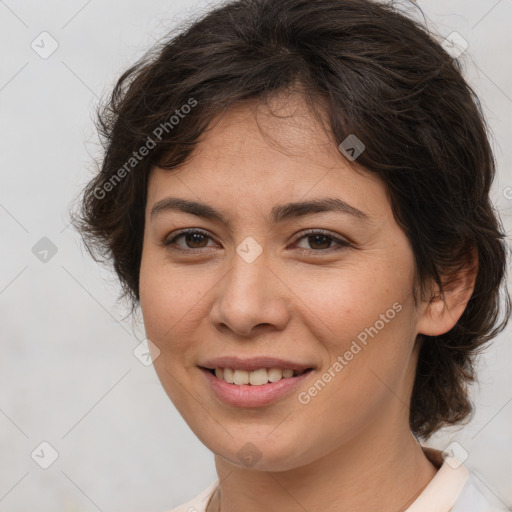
(158,303)
(173,301)
(343,301)
(165,301)
(362,318)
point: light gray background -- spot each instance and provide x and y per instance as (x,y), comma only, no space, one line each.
(68,375)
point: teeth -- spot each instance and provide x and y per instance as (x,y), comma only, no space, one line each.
(219,373)
(240,377)
(256,377)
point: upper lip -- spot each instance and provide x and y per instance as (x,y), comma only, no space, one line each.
(253,363)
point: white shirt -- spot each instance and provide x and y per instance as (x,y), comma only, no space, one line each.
(453,489)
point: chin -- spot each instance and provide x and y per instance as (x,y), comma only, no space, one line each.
(258,451)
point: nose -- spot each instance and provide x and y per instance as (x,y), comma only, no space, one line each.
(250,297)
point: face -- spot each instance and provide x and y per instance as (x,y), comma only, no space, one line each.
(329,289)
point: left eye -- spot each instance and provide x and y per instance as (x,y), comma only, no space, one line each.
(321,238)
(195,237)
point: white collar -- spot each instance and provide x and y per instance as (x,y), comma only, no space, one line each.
(440,494)
(443,490)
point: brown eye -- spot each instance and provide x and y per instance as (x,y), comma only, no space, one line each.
(194,240)
(320,241)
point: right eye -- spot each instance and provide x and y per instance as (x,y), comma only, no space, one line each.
(192,236)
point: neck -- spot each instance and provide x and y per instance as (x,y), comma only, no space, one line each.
(381,469)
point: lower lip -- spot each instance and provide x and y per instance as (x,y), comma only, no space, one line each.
(247,395)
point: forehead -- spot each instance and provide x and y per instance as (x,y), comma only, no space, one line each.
(267,154)
(282,126)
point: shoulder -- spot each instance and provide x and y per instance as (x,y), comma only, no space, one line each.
(455,488)
(199,502)
(473,498)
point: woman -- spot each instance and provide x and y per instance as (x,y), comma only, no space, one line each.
(296,194)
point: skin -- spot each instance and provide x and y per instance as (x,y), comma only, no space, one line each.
(350,448)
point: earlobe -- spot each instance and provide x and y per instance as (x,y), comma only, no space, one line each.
(443,312)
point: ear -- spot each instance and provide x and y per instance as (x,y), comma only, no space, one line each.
(442,313)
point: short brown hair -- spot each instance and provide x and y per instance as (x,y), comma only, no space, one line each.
(375,73)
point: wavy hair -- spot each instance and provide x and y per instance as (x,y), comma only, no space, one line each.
(372,71)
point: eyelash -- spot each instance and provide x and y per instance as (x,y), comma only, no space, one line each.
(342,244)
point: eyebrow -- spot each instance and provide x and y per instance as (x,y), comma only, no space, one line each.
(278,213)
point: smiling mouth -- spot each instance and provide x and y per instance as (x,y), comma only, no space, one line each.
(258,377)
